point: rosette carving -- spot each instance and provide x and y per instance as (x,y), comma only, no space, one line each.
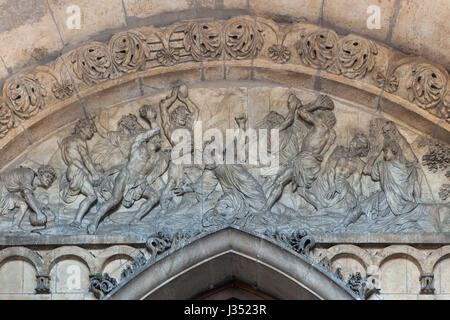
(243,38)
(129,51)
(25,95)
(92,63)
(317,48)
(203,40)
(6,119)
(427,85)
(355,57)
(279,53)
(168,56)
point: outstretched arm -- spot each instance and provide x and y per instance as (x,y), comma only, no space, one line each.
(306,114)
(164,110)
(145,136)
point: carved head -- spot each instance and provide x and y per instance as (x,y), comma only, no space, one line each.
(389,130)
(85,128)
(359,146)
(46,175)
(148,112)
(129,123)
(391,150)
(180,115)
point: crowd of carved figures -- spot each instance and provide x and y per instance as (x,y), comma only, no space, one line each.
(420,82)
(374,184)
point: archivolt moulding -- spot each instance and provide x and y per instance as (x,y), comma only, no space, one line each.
(43,98)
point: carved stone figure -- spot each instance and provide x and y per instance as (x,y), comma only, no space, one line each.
(339,187)
(400,194)
(82,174)
(17,191)
(132,182)
(307,163)
(177,112)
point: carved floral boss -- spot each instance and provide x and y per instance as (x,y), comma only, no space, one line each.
(238,38)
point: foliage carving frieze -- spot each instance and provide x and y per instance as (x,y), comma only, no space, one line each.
(422,83)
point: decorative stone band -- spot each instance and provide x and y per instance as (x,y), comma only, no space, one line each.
(43,261)
(422,84)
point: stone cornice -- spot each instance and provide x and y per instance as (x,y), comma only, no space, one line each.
(416,85)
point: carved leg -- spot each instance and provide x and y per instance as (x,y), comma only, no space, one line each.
(152,200)
(23,209)
(277,188)
(86,204)
(116,198)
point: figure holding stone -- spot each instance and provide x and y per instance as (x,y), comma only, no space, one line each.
(17,188)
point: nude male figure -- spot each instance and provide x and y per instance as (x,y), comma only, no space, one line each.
(131,183)
(307,164)
(82,174)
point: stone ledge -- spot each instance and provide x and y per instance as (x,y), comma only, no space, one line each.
(322,239)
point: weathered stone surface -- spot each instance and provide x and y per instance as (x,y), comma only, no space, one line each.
(145,8)
(29,31)
(353,16)
(95,17)
(422,29)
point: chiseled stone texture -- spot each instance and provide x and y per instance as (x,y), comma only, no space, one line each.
(96,16)
(27,32)
(423,28)
(352,16)
(146,8)
(299,9)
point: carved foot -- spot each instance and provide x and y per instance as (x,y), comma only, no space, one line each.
(92,228)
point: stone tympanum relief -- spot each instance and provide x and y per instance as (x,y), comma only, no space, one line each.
(340,169)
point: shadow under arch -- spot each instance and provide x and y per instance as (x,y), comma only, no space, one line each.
(231,254)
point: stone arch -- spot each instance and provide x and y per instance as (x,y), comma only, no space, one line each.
(112,253)
(357,253)
(23,253)
(395,251)
(62,253)
(249,251)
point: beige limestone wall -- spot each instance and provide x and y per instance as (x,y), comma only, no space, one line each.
(397,269)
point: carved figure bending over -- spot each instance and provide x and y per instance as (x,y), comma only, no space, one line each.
(131,184)
(17,191)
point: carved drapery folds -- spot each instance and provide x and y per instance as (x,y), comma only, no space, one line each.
(421,83)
